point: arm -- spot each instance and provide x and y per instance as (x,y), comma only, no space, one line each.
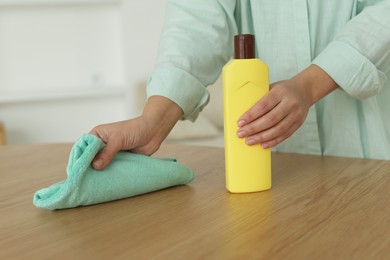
(195,44)
(283,110)
(354,61)
(360,54)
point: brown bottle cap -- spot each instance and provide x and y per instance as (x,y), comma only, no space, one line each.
(244,46)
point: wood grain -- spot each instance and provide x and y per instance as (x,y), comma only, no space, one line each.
(318,208)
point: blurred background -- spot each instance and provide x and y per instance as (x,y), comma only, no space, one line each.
(68,65)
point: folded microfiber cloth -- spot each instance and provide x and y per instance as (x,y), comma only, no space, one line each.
(128,175)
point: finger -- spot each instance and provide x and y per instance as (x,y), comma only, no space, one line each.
(105,156)
(97,131)
(269,120)
(260,108)
(287,125)
(94,132)
(279,139)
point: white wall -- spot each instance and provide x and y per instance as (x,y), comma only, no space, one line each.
(65,68)
(47,47)
(68,65)
(143,22)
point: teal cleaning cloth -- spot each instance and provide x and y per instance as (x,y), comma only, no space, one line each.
(128,175)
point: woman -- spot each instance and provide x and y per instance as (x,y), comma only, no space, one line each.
(329,62)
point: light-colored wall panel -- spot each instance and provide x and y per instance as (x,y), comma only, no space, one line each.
(61,69)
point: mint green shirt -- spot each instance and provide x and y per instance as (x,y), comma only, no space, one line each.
(349,39)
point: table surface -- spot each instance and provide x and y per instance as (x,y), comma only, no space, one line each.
(318,208)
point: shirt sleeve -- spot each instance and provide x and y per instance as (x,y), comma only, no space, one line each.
(359,56)
(196,42)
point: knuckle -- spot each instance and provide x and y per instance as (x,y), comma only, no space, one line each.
(282,90)
(294,104)
(257,139)
(274,142)
(286,135)
(281,129)
(251,129)
(263,105)
(271,120)
(279,140)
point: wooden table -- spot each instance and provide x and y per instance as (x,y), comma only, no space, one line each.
(2,133)
(318,208)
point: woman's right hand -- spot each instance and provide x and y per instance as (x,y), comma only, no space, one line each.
(143,134)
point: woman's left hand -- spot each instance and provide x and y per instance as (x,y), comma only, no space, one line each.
(283,110)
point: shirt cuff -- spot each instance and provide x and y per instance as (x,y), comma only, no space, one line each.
(351,70)
(180,87)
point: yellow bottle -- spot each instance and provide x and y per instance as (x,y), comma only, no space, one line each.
(245,81)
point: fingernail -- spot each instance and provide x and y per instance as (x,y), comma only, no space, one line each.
(241,134)
(241,123)
(98,163)
(265,145)
(250,141)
